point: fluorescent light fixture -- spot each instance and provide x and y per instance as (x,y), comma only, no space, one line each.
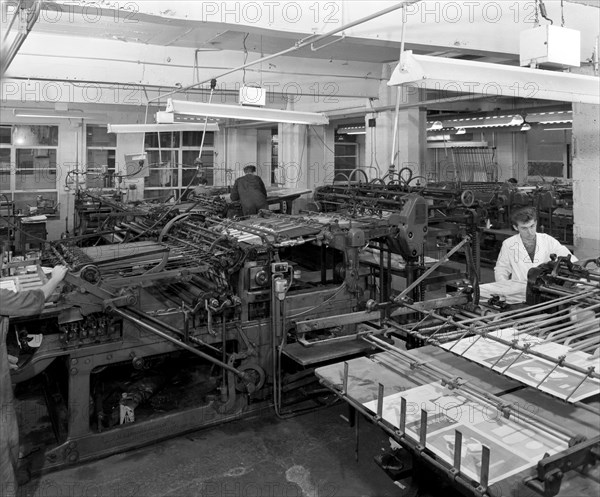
(526,126)
(244,113)
(457,144)
(558,117)
(163,117)
(426,71)
(352,130)
(153,128)
(484,122)
(461,131)
(438,138)
(57,114)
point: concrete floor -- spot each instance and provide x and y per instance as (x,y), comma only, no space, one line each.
(312,455)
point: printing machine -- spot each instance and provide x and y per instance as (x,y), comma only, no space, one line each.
(195,319)
(166,334)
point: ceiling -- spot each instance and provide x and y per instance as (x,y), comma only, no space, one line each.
(161,46)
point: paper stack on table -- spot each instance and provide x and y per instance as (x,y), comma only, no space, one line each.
(512,291)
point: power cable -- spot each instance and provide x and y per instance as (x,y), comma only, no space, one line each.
(198,163)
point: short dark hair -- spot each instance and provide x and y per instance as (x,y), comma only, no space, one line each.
(523,215)
(249,169)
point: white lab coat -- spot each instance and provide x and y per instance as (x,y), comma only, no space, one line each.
(514,260)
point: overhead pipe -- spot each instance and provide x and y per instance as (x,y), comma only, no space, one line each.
(309,40)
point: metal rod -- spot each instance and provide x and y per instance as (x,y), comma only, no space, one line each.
(172,329)
(579,384)
(166,336)
(512,344)
(476,391)
(431,270)
(311,39)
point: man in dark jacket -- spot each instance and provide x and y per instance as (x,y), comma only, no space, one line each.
(250,191)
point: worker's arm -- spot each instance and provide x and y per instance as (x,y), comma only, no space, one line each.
(23,303)
(58,274)
(559,249)
(235,195)
(503,269)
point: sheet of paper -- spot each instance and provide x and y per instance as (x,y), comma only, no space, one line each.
(561,382)
(513,446)
(8,285)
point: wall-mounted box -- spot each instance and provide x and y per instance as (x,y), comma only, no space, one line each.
(550,46)
(253,95)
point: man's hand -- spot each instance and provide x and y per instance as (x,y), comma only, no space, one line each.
(12,362)
(59,272)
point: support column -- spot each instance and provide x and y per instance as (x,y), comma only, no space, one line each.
(586,180)
(293,155)
(411,131)
(321,156)
(293,170)
(264,154)
(240,150)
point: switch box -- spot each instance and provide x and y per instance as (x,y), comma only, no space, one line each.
(253,95)
(550,46)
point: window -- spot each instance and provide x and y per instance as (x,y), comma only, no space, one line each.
(101,152)
(28,168)
(548,153)
(346,161)
(172,164)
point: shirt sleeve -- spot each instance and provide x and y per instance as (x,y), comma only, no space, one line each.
(560,250)
(235,194)
(25,303)
(503,269)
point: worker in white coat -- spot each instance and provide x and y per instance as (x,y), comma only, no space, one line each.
(527,249)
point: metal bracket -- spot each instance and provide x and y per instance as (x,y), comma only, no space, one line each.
(551,469)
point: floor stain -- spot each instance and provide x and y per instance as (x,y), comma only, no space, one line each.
(301,476)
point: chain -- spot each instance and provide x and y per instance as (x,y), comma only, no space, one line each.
(562,13)
(537,15)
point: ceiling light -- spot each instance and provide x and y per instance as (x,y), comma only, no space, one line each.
(516,120)
(435,125)
(245,113)
(163,117)
(352,130)
(460,131)
(426,71)
(551,117)
(153,128)
(526,126)
(483,122)
(57,114)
